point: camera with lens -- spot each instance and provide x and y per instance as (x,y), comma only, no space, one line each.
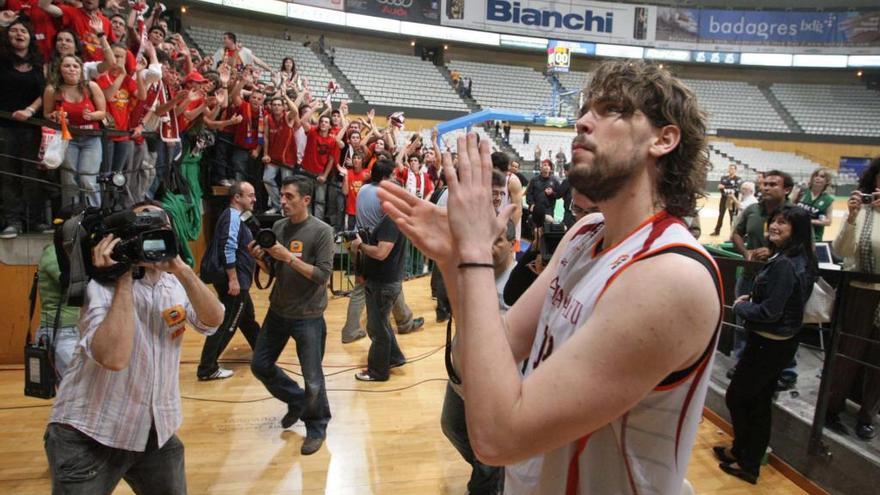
(553,233)
(867,198)
(265,238)
(350,235)
(145,236)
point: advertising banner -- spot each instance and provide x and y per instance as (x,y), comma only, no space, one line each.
(324,4)
(769,28)
(853,165)
(568,19)
(424,11)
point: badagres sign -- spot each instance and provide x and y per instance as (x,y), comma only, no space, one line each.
(424,11)
(572,19)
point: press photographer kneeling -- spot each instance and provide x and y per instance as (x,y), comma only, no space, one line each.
(118,408)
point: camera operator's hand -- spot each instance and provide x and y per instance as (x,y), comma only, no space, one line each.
(355,244)
(280,253)
(103,250)
(173,266)
(259,255)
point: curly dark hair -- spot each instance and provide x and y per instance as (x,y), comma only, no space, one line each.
(868,179)
(636,85)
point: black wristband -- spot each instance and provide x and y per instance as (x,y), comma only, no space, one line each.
(475,265)
(101,35)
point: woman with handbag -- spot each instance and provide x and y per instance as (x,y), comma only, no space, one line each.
(20,68)
(773,315)
(858,243)
(84,106)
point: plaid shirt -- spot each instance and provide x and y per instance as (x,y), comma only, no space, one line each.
(117,408)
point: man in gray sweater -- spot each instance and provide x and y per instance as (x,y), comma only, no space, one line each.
(303,261)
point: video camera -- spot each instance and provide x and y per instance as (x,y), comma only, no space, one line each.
(145,237)
(350,235)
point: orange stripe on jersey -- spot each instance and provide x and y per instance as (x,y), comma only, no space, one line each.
(652,219)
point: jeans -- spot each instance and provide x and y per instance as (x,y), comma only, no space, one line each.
(64,345)
(82,162)
(484,479)
(270,174)
(240,158)
(119,153)
(743,287)
(384,350)
(81,466)
(239,314)
(165,156)
(21,200)
(750,396)
(141,170)
(310,336)
(403,316)
(319,200)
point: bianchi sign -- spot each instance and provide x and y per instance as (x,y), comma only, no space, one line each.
(572,19)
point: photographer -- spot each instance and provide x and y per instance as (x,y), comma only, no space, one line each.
(230,267)
(383,274)
(729,187)
(119,405)
(303,261)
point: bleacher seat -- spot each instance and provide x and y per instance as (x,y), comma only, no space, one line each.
(272,51)
(397,80)
(832,109)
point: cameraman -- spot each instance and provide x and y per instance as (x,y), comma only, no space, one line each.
(119,405)
(383,276)
(303,259)
(229,254)
(729,187)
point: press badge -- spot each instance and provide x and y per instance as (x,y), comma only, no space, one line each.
(296,247)
(175,318)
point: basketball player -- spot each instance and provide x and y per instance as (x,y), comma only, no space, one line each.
(617,333)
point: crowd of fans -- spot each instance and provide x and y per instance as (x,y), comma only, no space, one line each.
(136,99)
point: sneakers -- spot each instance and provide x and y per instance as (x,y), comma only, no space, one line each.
(365,376)
(311,445)
(865,431)
(220,374)
(43,228)
(416,325)
(10,232)
(348,339)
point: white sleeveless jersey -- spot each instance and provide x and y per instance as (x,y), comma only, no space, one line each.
(646,450)
(505,200)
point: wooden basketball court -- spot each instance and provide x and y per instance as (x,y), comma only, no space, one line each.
(384,438)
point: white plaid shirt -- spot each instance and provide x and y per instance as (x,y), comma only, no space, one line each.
(117,408)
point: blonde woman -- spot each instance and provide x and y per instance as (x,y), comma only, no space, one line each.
(84,106)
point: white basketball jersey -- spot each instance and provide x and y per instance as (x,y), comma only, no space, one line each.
(647,449)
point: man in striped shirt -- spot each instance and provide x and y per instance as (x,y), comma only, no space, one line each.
(119,404)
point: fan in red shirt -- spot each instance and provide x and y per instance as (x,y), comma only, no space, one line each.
(78,20)
(414,180)
(279,145)
(352,180)
(122,94)
(320,156)
(42,22)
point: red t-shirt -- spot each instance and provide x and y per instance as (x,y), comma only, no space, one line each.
(248,134)
(418,184)
(355,181)
(76,110)
(125,102)
(78,20)
(318,151)
(42,22)
(282,145)
(181,119)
